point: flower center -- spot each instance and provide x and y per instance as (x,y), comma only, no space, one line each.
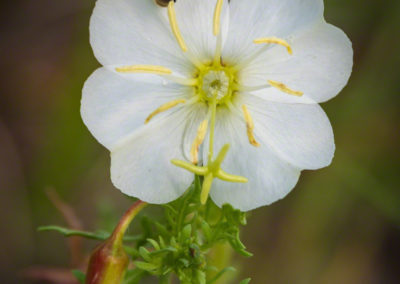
(215,82)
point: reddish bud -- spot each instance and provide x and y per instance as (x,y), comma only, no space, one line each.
(109,261)
(107,264)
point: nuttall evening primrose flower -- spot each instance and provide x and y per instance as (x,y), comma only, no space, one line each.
(181,81)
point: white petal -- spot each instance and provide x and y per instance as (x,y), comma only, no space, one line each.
(128,32)
(320,67)
(113,106)
(195,21)
(266,18)
(301,134)
(142,168)
(270,178)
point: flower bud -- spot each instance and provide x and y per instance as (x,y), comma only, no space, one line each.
(107,264)
(109,261)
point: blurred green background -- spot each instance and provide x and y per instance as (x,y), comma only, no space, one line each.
(340,224)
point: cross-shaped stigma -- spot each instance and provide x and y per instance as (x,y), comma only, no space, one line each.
(209,172)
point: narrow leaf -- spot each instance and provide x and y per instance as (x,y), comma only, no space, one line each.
(69,233)
(222,272)
(146,266)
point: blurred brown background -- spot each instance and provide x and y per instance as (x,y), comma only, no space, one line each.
(340,225)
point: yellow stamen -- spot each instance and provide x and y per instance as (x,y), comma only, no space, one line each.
(249,126)
(201,134)
(182,81)
(274,40)
(217,17)
(282,87)
(163,108)
(151,69)
(174,26)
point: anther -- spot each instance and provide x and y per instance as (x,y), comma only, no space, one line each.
(274,40)
(151,69)
(201,134)
(250,127)
(217,17)
(163,108)
(282,87)
(174,26)
(163,3)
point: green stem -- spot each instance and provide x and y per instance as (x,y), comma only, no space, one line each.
(206,188)
(182,211)
(124,223)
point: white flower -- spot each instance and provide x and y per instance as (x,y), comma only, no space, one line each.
(261,65)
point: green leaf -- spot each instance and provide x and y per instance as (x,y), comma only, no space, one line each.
(211,268)
(133,276)
(243,252)
(245,281)
(167,271)
(222,272)
(132,251)
(144,253)
(206,230)
(200,277)
(173,241)
(79,275)
(99,235)
(234,216)
(161,241)
(172,209)
(69,233)
(151,267)
(239,246)
(162,229)
(186,232)
(154,244)
(163,250)
(184,261)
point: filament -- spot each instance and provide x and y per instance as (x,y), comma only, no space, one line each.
(282,87)
(163,108)
(150,69)
(250,127)
(174,26)
(217,17)
(274,40)
(201,134)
